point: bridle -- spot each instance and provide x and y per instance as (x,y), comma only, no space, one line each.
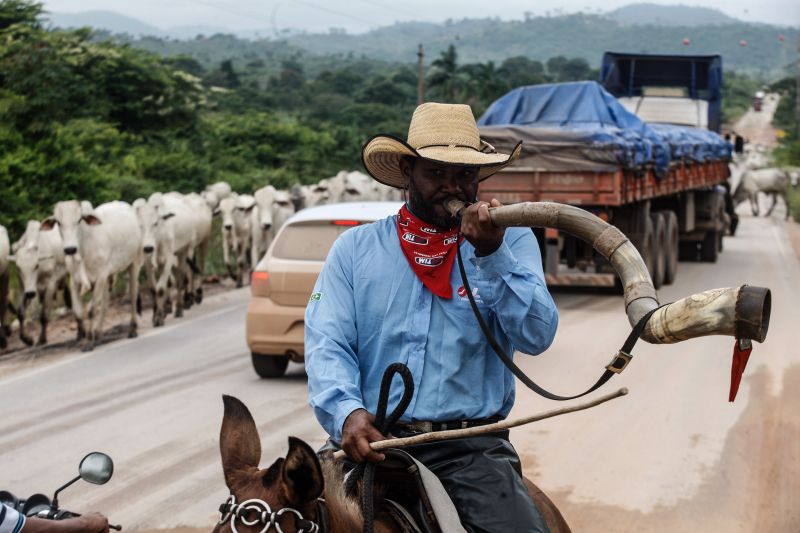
(254,512)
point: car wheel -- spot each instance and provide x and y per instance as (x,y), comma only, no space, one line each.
(269,366)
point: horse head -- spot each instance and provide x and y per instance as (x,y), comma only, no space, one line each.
(285,494)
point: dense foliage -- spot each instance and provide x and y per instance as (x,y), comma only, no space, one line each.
(786,120)
(788,153)
(92,118)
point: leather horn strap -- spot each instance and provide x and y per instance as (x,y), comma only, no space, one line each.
(616,366)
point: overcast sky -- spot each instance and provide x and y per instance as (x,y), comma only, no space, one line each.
(361,15)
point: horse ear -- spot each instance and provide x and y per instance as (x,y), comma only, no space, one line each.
(301,474)
(239,443)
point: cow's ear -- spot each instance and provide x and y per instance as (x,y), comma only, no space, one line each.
(91,220)
(249,209)
(216,212)
(48,224)
(167,216)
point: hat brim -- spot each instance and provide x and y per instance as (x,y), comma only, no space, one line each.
(381,157)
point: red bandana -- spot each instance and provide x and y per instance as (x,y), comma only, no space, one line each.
(428,251)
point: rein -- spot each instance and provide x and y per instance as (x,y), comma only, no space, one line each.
(254,512)
(384,424)
(616,366)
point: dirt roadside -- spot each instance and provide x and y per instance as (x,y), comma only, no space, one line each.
(793,231)
(62,332)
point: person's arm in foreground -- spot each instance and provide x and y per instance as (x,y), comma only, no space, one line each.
(511,281)
(331,362)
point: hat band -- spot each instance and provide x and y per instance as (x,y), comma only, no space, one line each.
(484,146)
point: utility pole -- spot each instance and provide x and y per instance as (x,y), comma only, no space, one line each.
(420,76)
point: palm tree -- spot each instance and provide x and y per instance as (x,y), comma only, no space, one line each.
(446,76)
(486,82)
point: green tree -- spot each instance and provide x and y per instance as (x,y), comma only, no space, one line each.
(20,12)
(446,78)
(519,71)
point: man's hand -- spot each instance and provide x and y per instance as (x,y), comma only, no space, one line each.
(94,523)
(358,431)
(477,228)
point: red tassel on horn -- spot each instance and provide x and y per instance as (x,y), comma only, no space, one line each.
(741,353)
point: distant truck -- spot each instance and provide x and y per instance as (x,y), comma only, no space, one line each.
(638,149)
(758,100)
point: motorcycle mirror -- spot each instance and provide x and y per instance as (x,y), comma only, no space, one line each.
(96,468)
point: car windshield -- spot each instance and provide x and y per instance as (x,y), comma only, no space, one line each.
(308,241)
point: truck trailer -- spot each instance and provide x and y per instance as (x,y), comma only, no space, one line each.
(639,149)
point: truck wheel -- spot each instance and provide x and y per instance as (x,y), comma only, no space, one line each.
(709,248)
(659,249)
(269,366)
(672,251)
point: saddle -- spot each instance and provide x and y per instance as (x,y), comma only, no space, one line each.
(414,496)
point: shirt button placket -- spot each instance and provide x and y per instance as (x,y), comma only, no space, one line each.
(420,321)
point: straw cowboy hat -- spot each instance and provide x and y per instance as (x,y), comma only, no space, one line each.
(444,133)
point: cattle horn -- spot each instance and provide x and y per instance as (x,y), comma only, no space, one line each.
(742,312)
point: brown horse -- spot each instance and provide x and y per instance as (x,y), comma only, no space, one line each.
(289,493)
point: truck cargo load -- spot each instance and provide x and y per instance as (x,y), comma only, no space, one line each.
(663,184)
(580,126)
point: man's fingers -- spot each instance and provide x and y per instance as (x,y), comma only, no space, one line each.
(368,453)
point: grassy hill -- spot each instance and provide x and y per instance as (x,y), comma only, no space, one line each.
(577,35)
(647,28)
(680,15)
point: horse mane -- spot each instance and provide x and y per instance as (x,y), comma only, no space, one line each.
(345,512)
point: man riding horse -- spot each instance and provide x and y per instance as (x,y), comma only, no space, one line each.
(388,293)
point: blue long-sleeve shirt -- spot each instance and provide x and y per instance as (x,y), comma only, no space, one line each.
(369,310)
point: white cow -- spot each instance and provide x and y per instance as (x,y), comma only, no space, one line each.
(336,186)
(158,244)
(273,208)
(236,232)
(185,233)
(5,248)
(203,215)
(310,195)
(772,181)
(219,191)
(358,187)
(39,256)
(108,241)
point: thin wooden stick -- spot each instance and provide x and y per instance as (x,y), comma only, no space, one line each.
(480,430)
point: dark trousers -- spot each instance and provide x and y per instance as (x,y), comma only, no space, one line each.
(483,477)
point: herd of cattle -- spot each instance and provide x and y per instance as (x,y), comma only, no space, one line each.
(86,248)
(167,235)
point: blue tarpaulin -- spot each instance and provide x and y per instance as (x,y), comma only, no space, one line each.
(581,120)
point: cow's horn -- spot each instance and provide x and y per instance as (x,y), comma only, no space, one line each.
(742,312)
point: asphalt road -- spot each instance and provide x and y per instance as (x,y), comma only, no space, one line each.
(673,455)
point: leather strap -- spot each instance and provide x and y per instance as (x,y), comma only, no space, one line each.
(616,366)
